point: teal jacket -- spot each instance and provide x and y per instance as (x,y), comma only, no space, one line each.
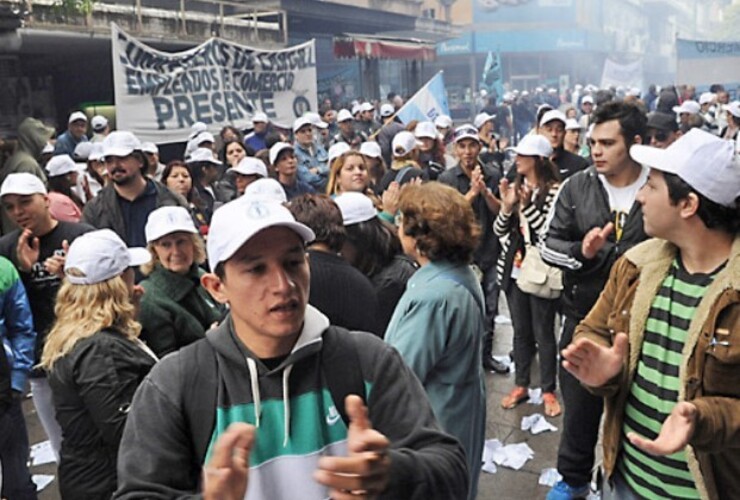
(438,328)
(175,310)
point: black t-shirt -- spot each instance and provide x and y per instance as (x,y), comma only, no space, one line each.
(136,212)
(42,287)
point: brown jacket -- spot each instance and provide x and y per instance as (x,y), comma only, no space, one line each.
(710,374)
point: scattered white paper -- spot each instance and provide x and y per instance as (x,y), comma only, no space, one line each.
(41,481)
(513,456)
(489,467)
(489,447)
(535,396)
(549,477)
(42,453)
(536,424)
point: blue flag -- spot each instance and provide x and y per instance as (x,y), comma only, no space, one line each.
(428,103)
(492,80)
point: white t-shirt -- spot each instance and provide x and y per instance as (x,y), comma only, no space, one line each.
(621,200)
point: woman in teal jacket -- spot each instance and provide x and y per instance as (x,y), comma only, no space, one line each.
(439,322)
(175,309)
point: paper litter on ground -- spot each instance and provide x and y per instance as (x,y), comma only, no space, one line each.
(513,456)
(536,424)
(42,481)
(42,453)
(535,396)
(549,477)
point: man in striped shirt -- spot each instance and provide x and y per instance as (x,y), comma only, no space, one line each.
(662,342)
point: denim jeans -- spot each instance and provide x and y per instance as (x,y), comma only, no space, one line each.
(16,478)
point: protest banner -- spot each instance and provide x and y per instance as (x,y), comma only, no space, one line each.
(622,75)
(428,103)
(159,95)
(702,63)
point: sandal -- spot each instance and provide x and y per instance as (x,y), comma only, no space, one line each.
(552,407)
(517,396)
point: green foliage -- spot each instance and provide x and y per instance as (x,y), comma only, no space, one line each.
(75,7)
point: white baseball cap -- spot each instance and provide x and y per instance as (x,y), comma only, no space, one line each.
(426,130)
(344,115)
(367,106)
(387,110)
(82,150)
(704,161)
(443,121)
(236,222)
(120,143)
(706,98)
(49,148)
(100,255)
(60,165)
(196,128)
(96,152)
(301,122)
(250,165)
(203,137)
(278,148)
(202,155)
(587,99)
(355,208)
(634,92)
(76,116)
(572,124)
(356,108)
(260,117)
(482,118)
(316,120)
(690,107)
(99,123)
(22,184)
(552,115)
(149,147)
(337,150)
(266,189)
(168,220)
(403,143)
(466,131)
(371,149)
(533,145)
(734,108)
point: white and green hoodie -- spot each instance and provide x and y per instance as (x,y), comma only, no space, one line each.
(295,416)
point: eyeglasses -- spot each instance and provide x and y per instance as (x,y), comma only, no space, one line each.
(659,136)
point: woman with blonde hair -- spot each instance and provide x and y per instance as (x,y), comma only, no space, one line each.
(175,309)
(348,173)
(95,360)
(438,324)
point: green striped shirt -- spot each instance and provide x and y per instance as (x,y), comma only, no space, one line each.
(655,388)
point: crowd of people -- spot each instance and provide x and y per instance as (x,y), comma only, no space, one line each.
(312,309)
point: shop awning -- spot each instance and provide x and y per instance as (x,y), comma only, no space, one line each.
(372,47)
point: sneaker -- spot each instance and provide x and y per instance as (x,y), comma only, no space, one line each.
(564,491)
(494,365)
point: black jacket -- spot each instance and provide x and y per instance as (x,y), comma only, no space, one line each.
(581,205)
(92,388)
(569,163)
(104,212)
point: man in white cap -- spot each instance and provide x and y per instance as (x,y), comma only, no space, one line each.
(100,127)
(686,111)
(348,133)
(37,249)
(388,131)
(367,123)
(154,167)
(205,170)
(552,127)
(125,203)
(593,221)
(311,155)
(75,133)
(659,344)
(478,182)
(587,108)
(276,391)
(256,139)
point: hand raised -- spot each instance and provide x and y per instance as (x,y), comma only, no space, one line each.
(509,196)
(593,364)
(595,240)
(27,250)
(226,474)
(365,472)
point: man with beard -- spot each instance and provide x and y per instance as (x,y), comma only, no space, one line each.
(124,204)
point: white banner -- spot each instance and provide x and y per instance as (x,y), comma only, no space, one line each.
(622,75)
(159,95)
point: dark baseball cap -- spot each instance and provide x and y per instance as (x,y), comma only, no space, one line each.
(662,121)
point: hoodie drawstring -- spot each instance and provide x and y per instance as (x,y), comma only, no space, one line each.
(286,405)
(254,380)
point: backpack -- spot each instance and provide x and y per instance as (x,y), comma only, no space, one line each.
(338,359)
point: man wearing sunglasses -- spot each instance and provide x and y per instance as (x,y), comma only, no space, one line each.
(662,129)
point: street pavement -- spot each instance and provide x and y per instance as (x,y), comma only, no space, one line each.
(504,425)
